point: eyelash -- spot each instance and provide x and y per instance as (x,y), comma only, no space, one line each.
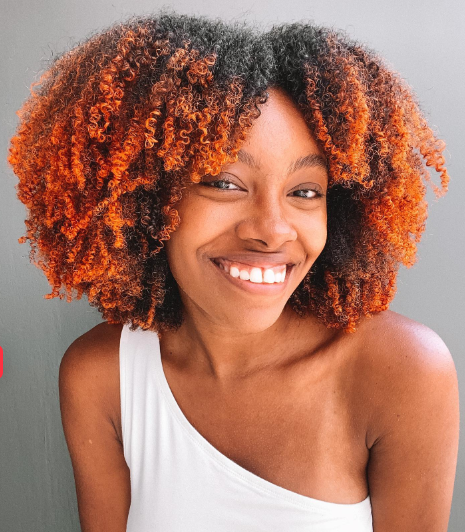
(210,183)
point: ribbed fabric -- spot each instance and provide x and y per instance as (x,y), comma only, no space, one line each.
(181,483)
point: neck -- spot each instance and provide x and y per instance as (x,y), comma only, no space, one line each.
(217,351)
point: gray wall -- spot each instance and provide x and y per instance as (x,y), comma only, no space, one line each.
(423,39)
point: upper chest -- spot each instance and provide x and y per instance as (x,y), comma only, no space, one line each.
(302,427)
(308,428)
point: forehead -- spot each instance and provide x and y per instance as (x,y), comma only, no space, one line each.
(312,160)
(281,124)
(280,138)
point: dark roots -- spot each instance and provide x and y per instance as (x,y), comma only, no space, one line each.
(116,127)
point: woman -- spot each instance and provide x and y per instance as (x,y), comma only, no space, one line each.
(237,205)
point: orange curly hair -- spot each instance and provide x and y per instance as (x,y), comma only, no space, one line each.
(116,127)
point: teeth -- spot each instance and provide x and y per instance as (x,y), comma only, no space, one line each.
(254,275)
(270,277)
(244,275)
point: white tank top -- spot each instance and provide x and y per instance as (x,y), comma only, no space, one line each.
(181,483)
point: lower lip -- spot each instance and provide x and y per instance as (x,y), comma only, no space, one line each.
(255,288)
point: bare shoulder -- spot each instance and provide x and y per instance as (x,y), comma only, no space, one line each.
(96,349)
(413,410)
(90,413)
(91,365)
(390,337)
(403,360)
(102,338)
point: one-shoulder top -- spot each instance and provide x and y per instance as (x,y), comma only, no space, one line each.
(182,483)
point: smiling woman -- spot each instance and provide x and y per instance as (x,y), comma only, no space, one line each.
(269,216)
(237,204)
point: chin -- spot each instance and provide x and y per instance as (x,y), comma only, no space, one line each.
(250,320)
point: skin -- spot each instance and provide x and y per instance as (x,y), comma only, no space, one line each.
(330,415)
(262,213)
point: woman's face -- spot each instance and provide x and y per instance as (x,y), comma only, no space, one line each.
(261,213)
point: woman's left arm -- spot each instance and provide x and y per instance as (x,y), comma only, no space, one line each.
(413,459)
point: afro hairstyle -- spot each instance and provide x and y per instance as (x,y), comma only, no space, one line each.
(118,126)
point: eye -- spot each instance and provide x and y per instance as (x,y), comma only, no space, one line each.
(309,193)
(221,184)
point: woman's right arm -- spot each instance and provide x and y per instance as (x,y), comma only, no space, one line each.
(89,402)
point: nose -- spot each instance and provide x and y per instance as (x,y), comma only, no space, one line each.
(266,222)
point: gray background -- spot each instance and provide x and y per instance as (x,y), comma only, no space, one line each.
(422,39)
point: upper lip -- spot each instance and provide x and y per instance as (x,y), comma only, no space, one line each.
(259,261)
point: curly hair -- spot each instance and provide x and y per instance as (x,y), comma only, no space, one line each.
(117,127)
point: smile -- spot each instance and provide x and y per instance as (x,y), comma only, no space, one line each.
(277,274)
(254,279)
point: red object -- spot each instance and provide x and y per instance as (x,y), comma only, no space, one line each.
(1,361)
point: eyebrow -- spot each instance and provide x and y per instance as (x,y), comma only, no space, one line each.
(308,161)
(247,159)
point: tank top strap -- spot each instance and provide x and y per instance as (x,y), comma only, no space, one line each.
(139,392)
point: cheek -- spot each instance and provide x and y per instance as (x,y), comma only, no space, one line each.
(314,234)
(198,227)
(202,222)
(315,245)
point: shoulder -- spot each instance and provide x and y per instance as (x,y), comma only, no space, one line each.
(90,369)
(104,335)
(93,354)
(394,340)
(90,413)
(405,363)
(413,431)
(94,349)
